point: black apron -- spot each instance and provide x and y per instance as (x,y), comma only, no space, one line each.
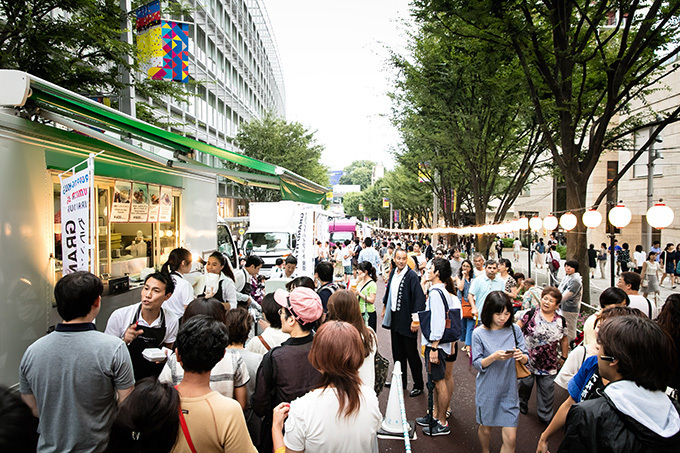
(152,337)
(247,289)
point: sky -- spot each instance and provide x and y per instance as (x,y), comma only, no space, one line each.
(335,66)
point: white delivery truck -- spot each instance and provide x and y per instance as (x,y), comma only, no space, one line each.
(279,229)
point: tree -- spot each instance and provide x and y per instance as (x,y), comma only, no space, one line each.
(287,144)
(408,196)
(583,62)
(358,172)
(79,48)
(469,119)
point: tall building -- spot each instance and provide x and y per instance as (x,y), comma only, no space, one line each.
(234,59)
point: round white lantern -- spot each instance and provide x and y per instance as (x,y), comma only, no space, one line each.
(620,216)
(523,223)
(568,221)
(535,223)
(550,222)
(592,218)
(660,216)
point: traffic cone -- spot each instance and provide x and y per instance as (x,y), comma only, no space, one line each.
(392,426)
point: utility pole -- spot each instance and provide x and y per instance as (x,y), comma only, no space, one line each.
(652,155)
(127,95)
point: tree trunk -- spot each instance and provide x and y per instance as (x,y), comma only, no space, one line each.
(577,239)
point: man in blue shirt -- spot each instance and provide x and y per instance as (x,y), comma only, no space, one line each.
(482,285)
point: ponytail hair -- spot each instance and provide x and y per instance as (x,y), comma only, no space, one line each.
(226,268)
(366,266)
(175,260)
(443,266)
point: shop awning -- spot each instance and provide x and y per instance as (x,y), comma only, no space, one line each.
(63,102)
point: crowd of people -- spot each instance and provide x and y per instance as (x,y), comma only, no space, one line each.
(181,373)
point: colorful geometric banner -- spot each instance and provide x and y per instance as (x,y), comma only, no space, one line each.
(164,51)
(148,15)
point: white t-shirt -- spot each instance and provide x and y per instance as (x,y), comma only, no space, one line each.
(517,245)
(346,257)
(181,296)
(367,369)
(273,337)
(276,272)
(121,319)
(313,424)
(640,258)
(574,361)
(642,304)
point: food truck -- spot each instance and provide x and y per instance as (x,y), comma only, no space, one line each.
(133,192)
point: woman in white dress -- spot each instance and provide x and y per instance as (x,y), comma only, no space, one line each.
(650,274)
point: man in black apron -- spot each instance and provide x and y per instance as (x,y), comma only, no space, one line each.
(134,325)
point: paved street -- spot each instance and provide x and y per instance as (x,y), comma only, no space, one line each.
(463,437)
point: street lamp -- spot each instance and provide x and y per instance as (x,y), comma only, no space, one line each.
(619,216)
(660,216)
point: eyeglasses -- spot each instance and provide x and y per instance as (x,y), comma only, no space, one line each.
(607,358)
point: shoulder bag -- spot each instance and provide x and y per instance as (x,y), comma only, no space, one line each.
(522,370)
(451,329)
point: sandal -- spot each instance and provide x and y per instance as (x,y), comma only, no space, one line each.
(448,413)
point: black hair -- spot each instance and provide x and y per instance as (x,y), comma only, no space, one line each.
(279,261)
(591,246)
(347,242)
(254,260)
(163,278)
(204,306)
(368,242)
(270,309)
(325,271)
(460,270)
(656,242)
(201,342)
(495,302)
(603,245)
(366,266)
(300,281)
(147,420)
(518,275)
(625,246)
(443,266)
(572,263)
(649,255)
(239,323)
(18,426)
(290,259)
(226,268)
(613,296)
(175,260)
(644,351)
(75,293)
(508,265)
(638,248)
(633,279)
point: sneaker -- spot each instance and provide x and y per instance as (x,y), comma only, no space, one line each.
(438,430)
(523,407)
(424,421)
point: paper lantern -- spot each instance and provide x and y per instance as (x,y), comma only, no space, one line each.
(550,222)
(592,218)
(568,221)
(620,216)
(523,223)
(535,223)
(660,216)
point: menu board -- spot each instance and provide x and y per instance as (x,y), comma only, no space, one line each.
(120,207)
(154,202)
(139,212)
(165,214)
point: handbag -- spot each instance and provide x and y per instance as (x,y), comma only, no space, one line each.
(520,368)
(451,329)
(382,365)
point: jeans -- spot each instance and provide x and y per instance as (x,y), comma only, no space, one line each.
(467,326)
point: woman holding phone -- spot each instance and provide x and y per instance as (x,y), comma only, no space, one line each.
(496,346)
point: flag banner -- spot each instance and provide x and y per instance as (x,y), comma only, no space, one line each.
(386,202)
(75,220)
(164,51)
(148,15)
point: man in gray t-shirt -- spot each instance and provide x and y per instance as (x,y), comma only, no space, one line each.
(73,378)
(571,288)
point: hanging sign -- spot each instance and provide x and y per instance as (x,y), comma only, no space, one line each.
(165,214)
(120,207)
(75,215)
(154,203)
(304,246)
(139,211)
(386,203)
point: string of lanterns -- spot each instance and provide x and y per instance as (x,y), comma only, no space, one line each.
(658,216)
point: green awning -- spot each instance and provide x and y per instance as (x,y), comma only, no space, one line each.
(53,98)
